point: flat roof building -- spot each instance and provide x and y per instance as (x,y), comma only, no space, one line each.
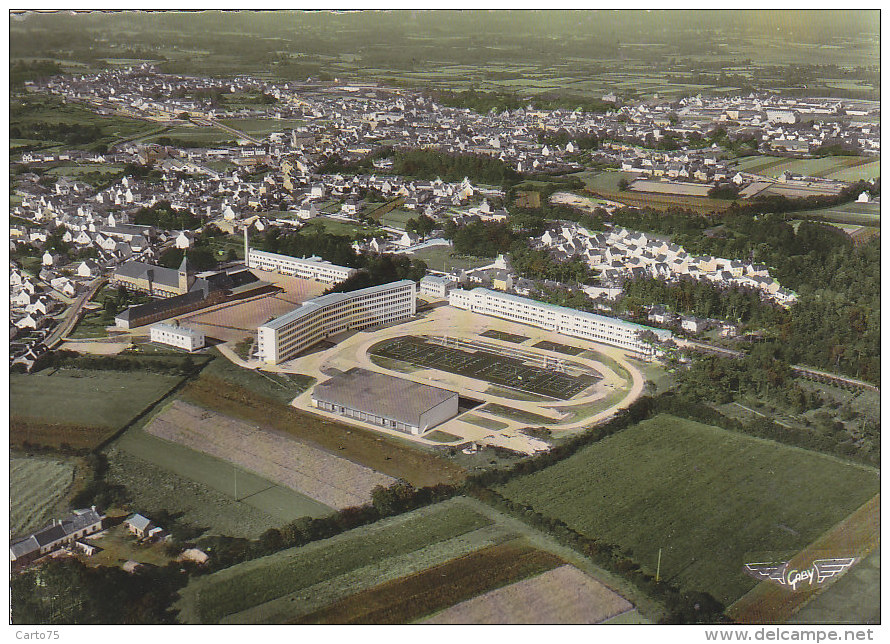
(310,268)
(387,401)
(321,317)
(579,324)
(177,336)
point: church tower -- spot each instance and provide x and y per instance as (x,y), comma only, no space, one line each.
(185,280)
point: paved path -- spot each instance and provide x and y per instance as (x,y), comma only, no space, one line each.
(72,316)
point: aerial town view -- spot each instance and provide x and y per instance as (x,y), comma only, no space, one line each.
(446,317)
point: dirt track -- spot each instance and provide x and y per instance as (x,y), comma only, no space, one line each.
(770,603)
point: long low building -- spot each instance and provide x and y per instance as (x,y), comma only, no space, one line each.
(79,524)
(579,324)
(310,268)
(386,401)
(322,317)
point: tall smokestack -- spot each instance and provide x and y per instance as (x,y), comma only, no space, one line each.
(246,243)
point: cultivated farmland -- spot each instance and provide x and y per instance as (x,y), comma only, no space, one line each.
(564,595)
(331,480)
(37,486)
(79,408)
(382,453)
(706,496)
(294,581)
(405,599)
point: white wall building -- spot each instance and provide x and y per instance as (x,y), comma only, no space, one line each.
(328,315)
(578,324)
(310,268)
(435,285)
(177,336)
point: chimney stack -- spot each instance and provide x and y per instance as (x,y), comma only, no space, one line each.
(246,244)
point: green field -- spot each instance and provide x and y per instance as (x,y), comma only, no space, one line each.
(863,172)
(103,401)
(818,167)
(278,504)
(857,214)
(392,548)
(283,387)
(855,598)
(398,218)
(708,497)
(262,127)
(37,486)
(441,258)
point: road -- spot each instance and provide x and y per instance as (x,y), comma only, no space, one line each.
(72,317)
(800,370)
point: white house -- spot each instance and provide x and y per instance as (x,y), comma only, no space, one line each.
(177,336)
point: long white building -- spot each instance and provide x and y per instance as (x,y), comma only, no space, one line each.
(310,268)
(579,324)
(322,317)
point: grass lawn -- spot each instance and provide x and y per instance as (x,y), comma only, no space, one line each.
(864,172)
(710,498)
(80,408)
(340,227)
(37,486)
(211,598)
(818,167)
(398,218)
(283,387)
(442,258)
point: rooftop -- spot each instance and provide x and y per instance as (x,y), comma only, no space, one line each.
(382,395)
(310,306)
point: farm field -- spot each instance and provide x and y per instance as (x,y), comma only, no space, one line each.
(382,453)
(80,408)
(857,214)
(37,487)
(818,167)
(707,496)
(564,595)
(330,480)
(605,184)
(863,172)
(236,485)
(403,600)
(262,127)
(855,598)
(151,486)
(290,582)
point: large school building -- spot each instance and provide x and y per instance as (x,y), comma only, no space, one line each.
(579,324)
(309,268)
(321,317)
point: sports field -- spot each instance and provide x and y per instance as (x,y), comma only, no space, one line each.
(485,365)
(79,408)
(503,335)
(569,350)
(706,496)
